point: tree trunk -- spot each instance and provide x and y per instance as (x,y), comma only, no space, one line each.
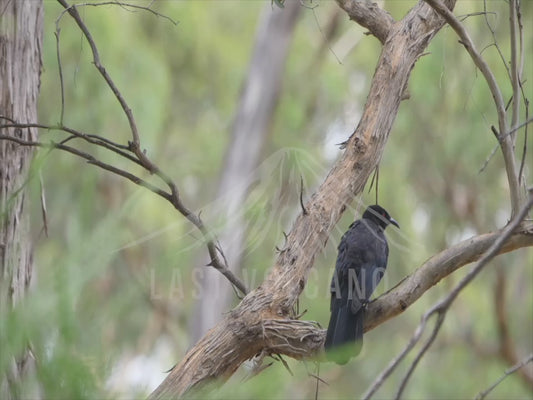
(20,68)
(253,118)
(246,330)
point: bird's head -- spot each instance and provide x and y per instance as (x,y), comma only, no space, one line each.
(380,216)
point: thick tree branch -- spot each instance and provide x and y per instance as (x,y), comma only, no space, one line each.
(369,15)
(397,299)
(411,288)
(235,339)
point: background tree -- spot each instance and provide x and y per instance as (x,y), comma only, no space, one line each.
(20,71)
(112,274)
(250,130)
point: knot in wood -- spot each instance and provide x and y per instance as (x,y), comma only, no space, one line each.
(359,145)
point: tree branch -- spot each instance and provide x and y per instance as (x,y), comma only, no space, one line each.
(409,290)
(172,196)
(369,15)
(513,369)
(515,67)
(505,140)
(235,339)
(441,307)
(139,157)
(71,9)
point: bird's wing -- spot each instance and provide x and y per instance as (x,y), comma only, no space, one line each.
(375,257)
(349,260)
(361,263)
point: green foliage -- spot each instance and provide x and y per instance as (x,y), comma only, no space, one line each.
(117,278)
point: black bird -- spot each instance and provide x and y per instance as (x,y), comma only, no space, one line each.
(361,263)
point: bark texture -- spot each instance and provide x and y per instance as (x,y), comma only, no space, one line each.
(369,15)
(239,335)
(20,67)
(251,127)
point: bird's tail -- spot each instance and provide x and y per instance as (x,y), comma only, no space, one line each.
(344,338)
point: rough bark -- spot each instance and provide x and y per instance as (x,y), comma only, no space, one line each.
(220,352)
(397,299)
(256,108)
(20,67)
(369,15)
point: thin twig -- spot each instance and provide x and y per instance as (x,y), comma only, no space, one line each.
(317,380)
(394,362)
(72,10)
(521,39)
(524,148)
(516,367)
(125,6)
(515,65)
(44,213)
(442,307)
(436,328)
(523,124)
(324,36)
(304,210)
(495,40)
(474,14)
(91,160)
(93,139)
(60,69)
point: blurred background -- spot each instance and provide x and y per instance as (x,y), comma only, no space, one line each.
(238,103)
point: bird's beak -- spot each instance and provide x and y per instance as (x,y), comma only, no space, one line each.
(394,222)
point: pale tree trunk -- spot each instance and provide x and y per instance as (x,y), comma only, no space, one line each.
(251,127)
(20,68)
